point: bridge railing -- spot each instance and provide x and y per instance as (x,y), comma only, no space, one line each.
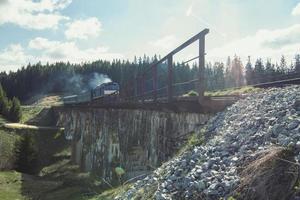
(151,84)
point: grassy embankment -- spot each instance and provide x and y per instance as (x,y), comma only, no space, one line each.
(233,91)
(56,178)
(227,92)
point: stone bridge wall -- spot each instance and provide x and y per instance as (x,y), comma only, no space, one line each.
(136,140)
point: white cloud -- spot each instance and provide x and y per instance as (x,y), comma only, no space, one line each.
(265,44)
(44,50)
(189,10)
(54,51)
(165,43)
(42,43)
(31,14)
(296,10)
(12,57)
(82,29)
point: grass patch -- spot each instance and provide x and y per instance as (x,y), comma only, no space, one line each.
(15,185)
(195,139)
(29,112)
(2,120)
(45,100)
(7,147)
(146,193)
(191,93)
(233,91)
(58,181)
(10,186)
(111,193)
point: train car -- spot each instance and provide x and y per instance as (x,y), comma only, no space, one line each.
(84,97)
(105,89)
(80,98)
(70,99)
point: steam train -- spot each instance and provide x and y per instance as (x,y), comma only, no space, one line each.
(105,90)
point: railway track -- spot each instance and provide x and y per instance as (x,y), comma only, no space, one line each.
(278,83)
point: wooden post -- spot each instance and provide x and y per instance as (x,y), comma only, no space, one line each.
(154,74)
(201,83)
(170,78)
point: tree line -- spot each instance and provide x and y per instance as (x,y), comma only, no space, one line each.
(70,78)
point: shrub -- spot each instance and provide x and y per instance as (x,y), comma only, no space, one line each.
(11,110)
(26,154)
(192,93)
(15,113)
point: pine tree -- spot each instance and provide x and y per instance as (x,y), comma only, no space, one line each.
(297,63)
(219,74)
(269,71)
(26,154)
(4,103)
(15,113)
(258,72)
(283,66)
(249,72)
(237,71)
(229,80)
(2,95)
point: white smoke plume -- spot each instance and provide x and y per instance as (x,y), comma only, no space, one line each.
(98,79)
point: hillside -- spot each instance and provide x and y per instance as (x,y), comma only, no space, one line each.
(54,176)
(44,100)
(245,136)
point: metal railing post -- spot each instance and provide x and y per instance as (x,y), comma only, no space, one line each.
(170,78)
(201,76)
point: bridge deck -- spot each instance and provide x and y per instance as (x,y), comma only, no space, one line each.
(181,104)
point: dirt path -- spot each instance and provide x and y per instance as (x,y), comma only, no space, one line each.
(31,127)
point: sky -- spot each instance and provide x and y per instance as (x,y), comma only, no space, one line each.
(84,31)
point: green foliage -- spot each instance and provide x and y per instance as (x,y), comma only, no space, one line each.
(231,198)
(10,109)
(192,93)
(15,113)
(197,139)
(233,91)
(4,103)
(119,171)
(26,154)
(10,185)
(29,112)
(7,146)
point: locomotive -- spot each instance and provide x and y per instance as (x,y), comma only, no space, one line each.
(104,90)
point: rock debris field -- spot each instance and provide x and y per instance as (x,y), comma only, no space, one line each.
(261,120)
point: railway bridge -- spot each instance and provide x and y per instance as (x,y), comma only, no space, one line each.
(148,123)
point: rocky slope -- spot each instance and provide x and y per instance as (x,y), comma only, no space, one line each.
(258,122)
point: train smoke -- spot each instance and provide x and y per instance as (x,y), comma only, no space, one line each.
(98,79)
(73,83)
